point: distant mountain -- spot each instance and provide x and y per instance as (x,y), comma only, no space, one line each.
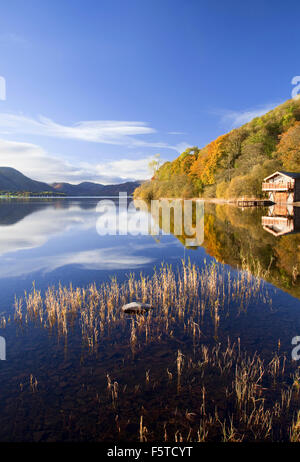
(13,181)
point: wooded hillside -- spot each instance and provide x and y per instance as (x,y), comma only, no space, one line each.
(234,164)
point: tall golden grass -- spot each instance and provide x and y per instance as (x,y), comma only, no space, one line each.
(180,299)
(259,397)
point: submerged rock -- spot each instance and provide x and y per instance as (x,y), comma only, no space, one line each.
(136,307)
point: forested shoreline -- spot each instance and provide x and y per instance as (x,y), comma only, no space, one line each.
(234,164)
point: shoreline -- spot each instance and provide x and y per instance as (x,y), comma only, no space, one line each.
(215,200)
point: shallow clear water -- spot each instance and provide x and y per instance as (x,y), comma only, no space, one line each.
(56,241)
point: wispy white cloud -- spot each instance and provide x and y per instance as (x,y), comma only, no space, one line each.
(238,118)
(35,162)
(122,133)
(180,147)
(98,131)
(32,160)
(127,168)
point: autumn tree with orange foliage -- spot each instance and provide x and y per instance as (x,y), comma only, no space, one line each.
(289,148)
(234,164)
(206,164)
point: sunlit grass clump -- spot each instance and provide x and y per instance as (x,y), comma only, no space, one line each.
(174,375)
(181,299)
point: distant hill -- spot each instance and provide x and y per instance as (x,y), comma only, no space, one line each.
(95,189)
(235,163)
(13,181)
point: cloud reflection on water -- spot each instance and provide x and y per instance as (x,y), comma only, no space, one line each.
(60,233)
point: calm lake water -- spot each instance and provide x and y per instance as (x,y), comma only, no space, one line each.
(53,388)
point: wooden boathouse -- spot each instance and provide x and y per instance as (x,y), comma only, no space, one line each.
(282,187)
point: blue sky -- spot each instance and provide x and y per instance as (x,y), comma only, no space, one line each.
(95,88)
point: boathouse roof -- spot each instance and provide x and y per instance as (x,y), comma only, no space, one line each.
(287,174)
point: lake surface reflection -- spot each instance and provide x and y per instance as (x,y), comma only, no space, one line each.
(78,369)
(57,241)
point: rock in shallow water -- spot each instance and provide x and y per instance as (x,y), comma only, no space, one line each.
(136,307)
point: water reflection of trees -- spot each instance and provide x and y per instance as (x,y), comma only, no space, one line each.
(239,234)
(237,237)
